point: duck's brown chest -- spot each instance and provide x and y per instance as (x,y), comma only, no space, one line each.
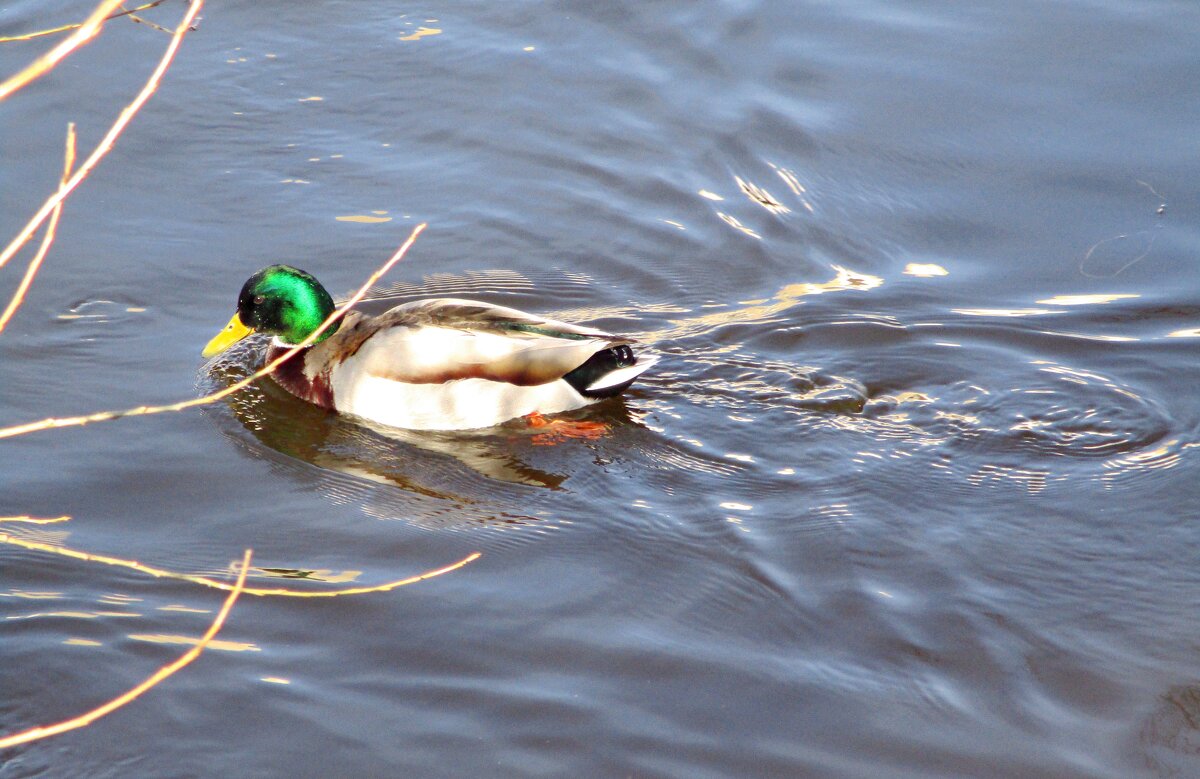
(298,378)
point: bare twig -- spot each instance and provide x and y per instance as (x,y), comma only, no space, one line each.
(83,720)
(161,573)
(103,416)
(45,63)
(147,22)
(19,296)
(42,33)
(110,137)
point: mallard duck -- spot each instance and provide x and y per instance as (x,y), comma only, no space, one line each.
(439,364)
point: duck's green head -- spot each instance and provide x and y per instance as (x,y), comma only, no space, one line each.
(281,301)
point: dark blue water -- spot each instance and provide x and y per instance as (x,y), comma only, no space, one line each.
(911,493)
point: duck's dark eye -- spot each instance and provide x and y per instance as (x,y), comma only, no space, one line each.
(259,300)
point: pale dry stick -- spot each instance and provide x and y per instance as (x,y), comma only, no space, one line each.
(167,670)
(104,416)
(161,573)
(35,520)
(106,143)
(19,296)
(42,33)
(147,22)
(45,63)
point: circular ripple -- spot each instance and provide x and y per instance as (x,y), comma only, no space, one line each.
(1056,411)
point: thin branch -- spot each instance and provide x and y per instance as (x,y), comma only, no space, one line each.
(162,573)
(110,137)
(45,63)
(19,296)
(83,720)
(42,33)
(103,416)
(148,23)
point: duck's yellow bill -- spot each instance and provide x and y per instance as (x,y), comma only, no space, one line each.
(233,332)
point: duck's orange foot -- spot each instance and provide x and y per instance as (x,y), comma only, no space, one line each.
(557,430)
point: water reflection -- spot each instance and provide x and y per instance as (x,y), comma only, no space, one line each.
(219,644)
(72,615)
(1086,300)
(372,452)
(793,183)
(1170,737)
(925,269)
(736,224)
(761,196)
(787,298)
(1005,312)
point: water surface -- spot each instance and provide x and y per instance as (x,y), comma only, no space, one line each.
(910,493)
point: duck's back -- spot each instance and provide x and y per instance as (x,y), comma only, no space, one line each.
(455,364)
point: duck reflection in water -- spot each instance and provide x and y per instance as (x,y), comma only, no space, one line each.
(377,453)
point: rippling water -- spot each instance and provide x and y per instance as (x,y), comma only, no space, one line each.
(910,493)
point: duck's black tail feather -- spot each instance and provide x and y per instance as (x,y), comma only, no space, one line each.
(608,372)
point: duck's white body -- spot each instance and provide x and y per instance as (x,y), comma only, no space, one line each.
(455,405)
(452,364)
